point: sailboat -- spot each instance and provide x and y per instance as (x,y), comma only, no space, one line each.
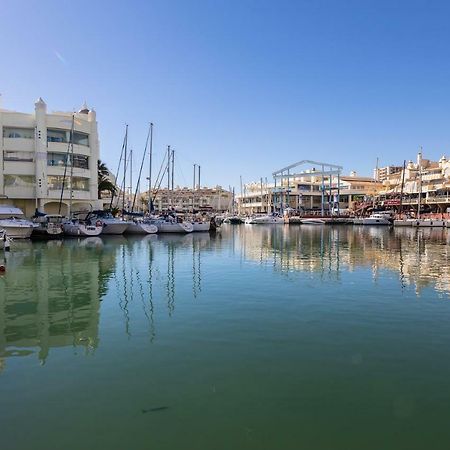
(74,226)
(138,225)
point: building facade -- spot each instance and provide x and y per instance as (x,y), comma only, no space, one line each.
(38,164)
(306,192)
(186,199)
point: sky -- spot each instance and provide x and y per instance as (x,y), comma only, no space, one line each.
(242,87)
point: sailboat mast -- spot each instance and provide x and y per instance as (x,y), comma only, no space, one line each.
(71,164)
(131,178)
(168,175)
(173,166)
(193,189)
(420,183)
(403,185)
(150,171)
(124,169)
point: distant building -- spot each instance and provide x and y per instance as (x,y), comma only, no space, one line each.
(383,173)
(34,158)
(305,192)
(425,178)
(185,199)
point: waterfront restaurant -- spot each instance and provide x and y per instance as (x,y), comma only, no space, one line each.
(306,190)
(35,156)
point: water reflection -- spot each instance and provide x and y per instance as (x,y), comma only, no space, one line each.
(51,293)
(50,296)
(419,256)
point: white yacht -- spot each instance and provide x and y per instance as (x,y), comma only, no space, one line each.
(265,219)
(377,219)
(13,221)
(111,225)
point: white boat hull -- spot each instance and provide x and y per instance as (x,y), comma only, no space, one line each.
(265,220)
(17,231)
(201,226)
(115,227)
(141,228)
(430,223)
(312,222)
(81,230)
(375,221)
(175,227)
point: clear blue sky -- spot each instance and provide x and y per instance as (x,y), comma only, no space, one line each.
(240,87)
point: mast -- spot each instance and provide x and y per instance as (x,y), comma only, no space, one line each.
(374,190)
(131,179)
(71,164)
(420,183)
(124,170)
(65,168)
(199,185)
(173,166)
(168,175)
(242,198)
(140,170)
(403,184)
(150,171)
(118,167)
(193,190)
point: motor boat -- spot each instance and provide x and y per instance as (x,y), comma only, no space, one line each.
(377,219)
(141,227)
(265,219)
(47,226)
(80,228)
(111,225)
(13,222)
(436,223)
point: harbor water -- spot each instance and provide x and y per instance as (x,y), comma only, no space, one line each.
(255,338)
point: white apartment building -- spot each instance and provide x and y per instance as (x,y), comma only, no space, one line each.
(36,158)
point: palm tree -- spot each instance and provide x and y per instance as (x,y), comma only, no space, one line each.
(104,180)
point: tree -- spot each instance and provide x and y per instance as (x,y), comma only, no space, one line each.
(104,180)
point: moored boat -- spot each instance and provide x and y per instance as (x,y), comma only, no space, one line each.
(141,227)
(47,226)
(265,219)
(13,222)
(81,228)
(111,225)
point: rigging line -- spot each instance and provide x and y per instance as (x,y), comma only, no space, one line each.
(65,165)
(120,162)
(160,169)
(140,170)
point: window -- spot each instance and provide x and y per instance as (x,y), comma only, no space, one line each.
(19,180)
(59,159)
(54,135)
(80,138)
(18,133)
(55,182)
(56,159)
(18,156)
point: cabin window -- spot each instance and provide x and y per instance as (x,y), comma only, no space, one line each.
(18,133)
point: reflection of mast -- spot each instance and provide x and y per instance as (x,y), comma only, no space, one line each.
(170,279)
(124,304)
(196,271)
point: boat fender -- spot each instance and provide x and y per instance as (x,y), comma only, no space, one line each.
(98,223)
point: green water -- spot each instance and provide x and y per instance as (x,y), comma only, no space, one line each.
(315,338)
